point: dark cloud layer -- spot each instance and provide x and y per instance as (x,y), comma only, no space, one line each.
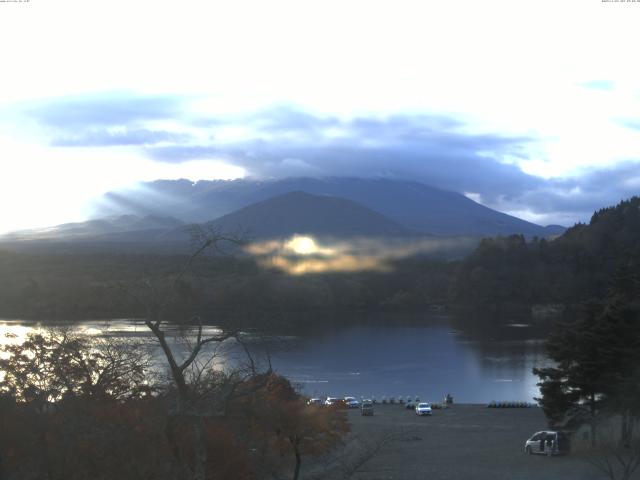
(285,141)
(429,148)
(594,189)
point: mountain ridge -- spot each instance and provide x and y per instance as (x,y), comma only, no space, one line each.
(412,204)
(112,225)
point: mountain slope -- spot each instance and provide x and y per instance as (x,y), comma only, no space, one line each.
(304,213)
(278,217)
(117,227)
(412,204)
(582,264)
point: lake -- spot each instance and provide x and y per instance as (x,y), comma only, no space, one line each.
(393,355)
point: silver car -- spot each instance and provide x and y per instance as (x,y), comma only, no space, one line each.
(543,443)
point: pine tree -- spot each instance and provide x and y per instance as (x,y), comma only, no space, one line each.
(597,357)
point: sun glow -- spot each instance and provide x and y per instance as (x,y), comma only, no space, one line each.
(49,186)
(303,254)
(303,245)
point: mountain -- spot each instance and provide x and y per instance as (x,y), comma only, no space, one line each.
(304,213)
(414,205)
(278,217)
(114,226)
(123,233)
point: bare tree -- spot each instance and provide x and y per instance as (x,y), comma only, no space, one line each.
(616,458)
(616,461)
(201,391)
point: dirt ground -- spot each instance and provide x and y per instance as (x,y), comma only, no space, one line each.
(461,442)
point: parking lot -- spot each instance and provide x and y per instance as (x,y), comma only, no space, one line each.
(463,441)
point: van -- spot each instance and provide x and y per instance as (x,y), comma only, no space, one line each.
(544,443)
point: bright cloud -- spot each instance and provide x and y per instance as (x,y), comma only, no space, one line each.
(46,186)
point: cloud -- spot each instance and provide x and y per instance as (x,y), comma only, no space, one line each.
(284,141)
(433,149)
(108,119)
(632,123)
(106,138)
(105,109)
(286,118)
(599,85)
(568,200)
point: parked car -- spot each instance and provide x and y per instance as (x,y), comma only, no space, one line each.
(333,401)
(351,402)
(423,409)
(367,408)
(543,443)
(314,401)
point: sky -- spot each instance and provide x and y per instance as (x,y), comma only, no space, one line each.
(531,108)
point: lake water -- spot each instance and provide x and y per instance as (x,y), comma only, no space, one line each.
(426,358)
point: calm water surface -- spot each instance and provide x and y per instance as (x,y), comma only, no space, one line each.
(378,360)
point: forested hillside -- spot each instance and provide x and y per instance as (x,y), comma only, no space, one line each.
(49,287)
(576,266)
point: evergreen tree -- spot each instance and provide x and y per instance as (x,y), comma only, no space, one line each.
(597,357)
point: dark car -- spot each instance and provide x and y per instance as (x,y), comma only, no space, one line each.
(351,402)
(366,408)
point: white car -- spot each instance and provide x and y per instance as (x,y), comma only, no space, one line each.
(351,402)
(544,443)
(332,401)
(423,409)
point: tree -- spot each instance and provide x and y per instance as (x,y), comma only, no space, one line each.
(283,423)
(201,392)
(78,407)
(573,390)
(57,364)
(611,457)
(72,395)
(597,356)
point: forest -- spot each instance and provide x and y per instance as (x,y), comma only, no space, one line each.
(574,267)
(500,272)
(70,287)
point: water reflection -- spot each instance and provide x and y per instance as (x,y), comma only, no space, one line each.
(179,337)
(424,355)
(389,355)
